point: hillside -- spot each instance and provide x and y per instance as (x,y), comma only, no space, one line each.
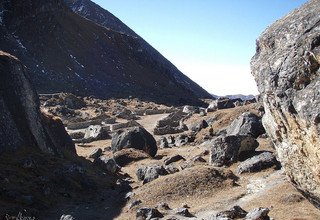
(68,53)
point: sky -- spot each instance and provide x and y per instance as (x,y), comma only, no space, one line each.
(210,41)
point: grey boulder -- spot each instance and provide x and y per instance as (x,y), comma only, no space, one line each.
(246,124)
(257,163)
(96,132)
(137,138)
(286,69)
(108,164)
(226,150)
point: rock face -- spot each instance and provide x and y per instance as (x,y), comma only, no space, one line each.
(21,123)
(286,69)
(137,138)
(112,61)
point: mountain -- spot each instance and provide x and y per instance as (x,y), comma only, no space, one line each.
(236,96)
(92,53)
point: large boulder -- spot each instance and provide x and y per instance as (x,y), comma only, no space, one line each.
(136,137)
(246,124)
(286,69)
(257,163)
(96,132)
(226,150)
(21,122)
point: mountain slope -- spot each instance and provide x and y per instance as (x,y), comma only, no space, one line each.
(68,53)
(97,14)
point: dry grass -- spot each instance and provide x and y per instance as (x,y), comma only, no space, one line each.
(127,156)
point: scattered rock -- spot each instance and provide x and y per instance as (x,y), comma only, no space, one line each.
(126,114)
(257,163)
(197,160)
(108,164)
(183,212)
(171,169)
(235,212)
(190,109)
(258,214)
(246,124)
(181,140)
(96,132)
(148,213)
(95,153)
(135,203)
(221,103)
(171,124)
(163,206)
(137,138)
(150,173)
(199,126)
(153,173)
(163,142)
(72,101)
(227,149)
(173,159)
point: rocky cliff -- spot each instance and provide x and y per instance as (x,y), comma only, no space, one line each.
(68,53)
(22,125)
(286,69)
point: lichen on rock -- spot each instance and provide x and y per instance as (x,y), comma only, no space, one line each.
(286,69)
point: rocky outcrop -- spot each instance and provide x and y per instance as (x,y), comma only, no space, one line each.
(21,122)
(286,69)
(171,124)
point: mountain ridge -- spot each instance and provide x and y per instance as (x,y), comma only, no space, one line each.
(68,53)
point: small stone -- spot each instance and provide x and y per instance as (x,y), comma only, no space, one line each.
(95,153)
(135,203)
(148,213)
(164,206)
(173,159)
(183,212)
(258,214)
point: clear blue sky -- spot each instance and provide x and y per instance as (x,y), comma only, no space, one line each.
(211,41)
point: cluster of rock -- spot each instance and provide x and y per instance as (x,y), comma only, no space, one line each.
(175,141)
(237,212)
(162,210)
(171,124)
(225,103)
(239,143)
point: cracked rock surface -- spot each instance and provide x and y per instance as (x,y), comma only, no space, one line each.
(286,69)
